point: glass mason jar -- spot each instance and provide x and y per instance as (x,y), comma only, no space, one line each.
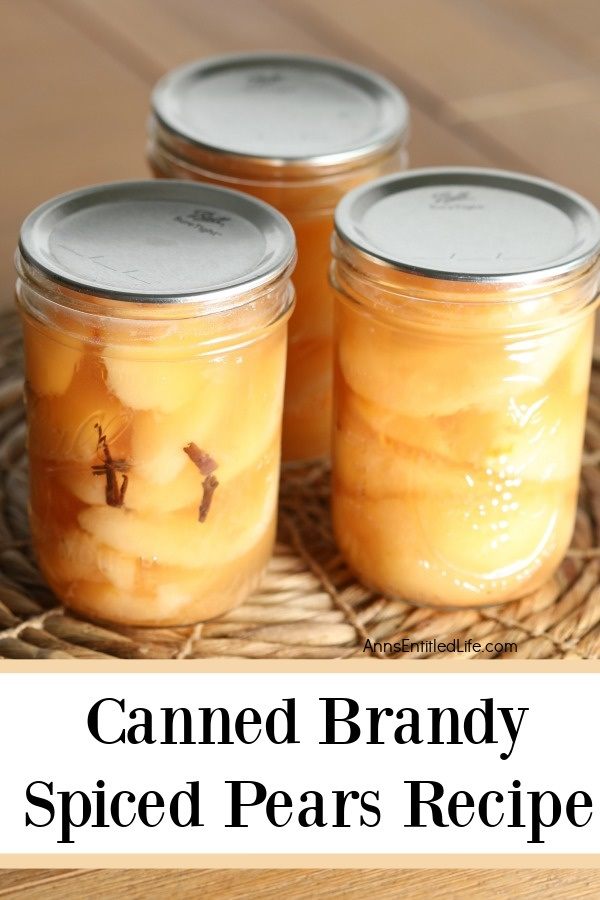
(465,306)
(154,318)
(298,132)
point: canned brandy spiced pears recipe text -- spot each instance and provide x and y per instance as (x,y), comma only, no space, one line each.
(423,803)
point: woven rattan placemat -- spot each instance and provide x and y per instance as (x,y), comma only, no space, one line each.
(309,605)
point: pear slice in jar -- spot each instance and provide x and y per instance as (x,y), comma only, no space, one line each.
(497,532)
(103,602)
(239,513)
(233,415)
(64,428)
(168,596)
(76,556)
(165,373)
(161,476)
(375,464)
(171,400)
(428,375)
(143,382)
(437,549)
(535,435)
(51,361)
(202,591)
(158,370)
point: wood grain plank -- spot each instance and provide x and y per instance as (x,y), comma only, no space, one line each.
(356,29)
(574,25)
(562,143)
(12,880)
(252,25)
(300,884)
(453,50)
(432,144)
(541,97)
(78,117)
(148,36)
(480,56)
(166,34)
(241,25)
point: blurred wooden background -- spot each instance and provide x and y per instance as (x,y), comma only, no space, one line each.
(506,83)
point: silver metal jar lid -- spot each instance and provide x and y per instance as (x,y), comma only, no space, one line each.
(158,241)
(281,109)
(480,225)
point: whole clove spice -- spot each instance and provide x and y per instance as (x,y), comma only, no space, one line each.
(207,465)
(115,492)
(209,486)
(201,459)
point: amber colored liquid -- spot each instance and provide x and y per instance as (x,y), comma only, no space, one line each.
(456,460)
(148,560)
(308,388)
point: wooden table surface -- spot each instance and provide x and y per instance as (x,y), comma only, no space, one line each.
(505,83)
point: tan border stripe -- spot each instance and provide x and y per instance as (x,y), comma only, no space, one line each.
(300,861)
(279,667)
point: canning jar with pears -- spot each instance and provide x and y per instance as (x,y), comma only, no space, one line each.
(465,304)
(155,319)
(298,132)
